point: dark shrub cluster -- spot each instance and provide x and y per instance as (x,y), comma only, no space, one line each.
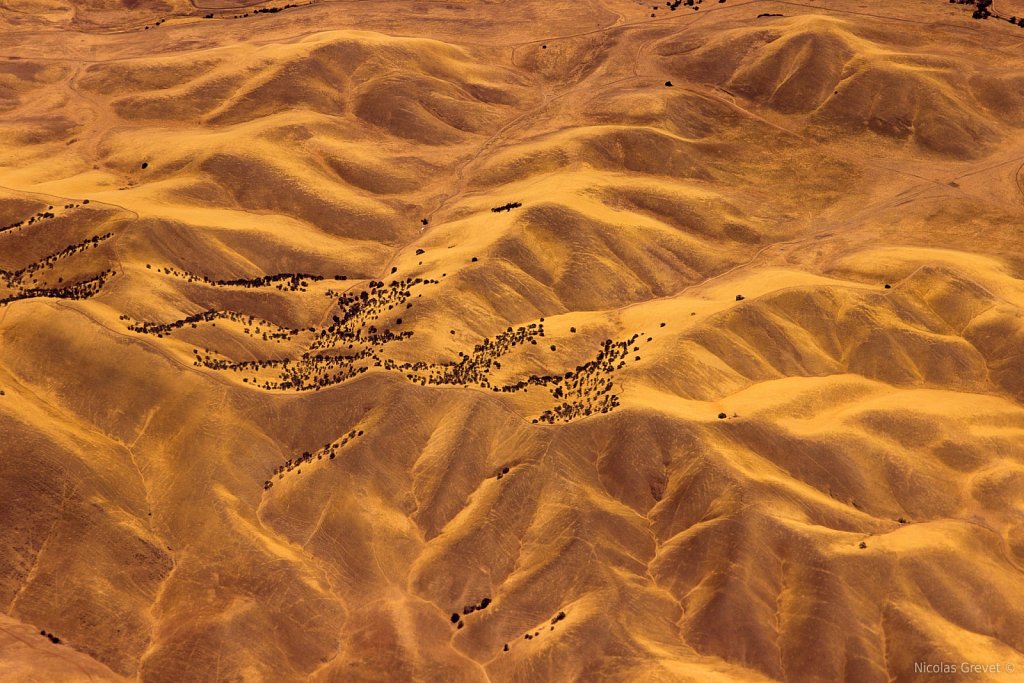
(588,390)
(26,282)
(251,325)
(288,282)
(330,450)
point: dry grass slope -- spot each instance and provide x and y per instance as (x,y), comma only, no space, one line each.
(541,341)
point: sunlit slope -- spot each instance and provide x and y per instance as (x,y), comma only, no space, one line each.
(843,78)
(538,341)
(27,657)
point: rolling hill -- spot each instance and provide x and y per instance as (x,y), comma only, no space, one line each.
(519,341)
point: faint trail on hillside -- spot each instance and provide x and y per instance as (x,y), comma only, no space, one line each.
(95,110)
(30,575)
(162,353)
(1009,557)
(460,180)
(114,243)
(623,25)
(904,196)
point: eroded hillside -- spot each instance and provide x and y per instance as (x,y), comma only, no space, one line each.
(511,341)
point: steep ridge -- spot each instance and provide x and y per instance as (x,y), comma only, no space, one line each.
(845,82)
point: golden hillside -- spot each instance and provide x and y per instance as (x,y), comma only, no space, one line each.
(511,341)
